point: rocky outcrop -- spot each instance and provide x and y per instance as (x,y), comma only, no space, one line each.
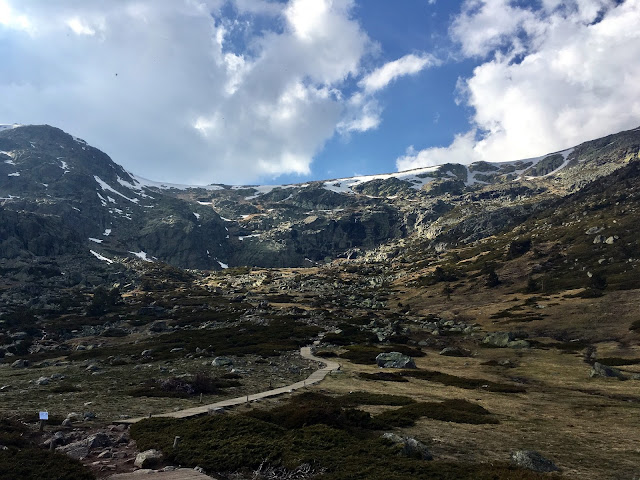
(407,446)
(148,459)
(505,339)
(394,360)
(600,370)
(532,460)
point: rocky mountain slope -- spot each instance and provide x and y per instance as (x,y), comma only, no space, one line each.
(61,197)
(511,288)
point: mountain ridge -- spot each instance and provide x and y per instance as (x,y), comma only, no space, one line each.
(67,185)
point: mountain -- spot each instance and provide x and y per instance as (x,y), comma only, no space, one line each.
(62,197)
(512,288)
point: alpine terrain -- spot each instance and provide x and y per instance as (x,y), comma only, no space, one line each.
(472,321)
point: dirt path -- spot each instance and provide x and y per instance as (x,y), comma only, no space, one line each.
(315,377)
(179,474)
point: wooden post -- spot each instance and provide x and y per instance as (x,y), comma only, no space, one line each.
(42,422)
(176,441)
(200,398)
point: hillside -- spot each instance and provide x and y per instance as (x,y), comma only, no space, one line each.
(512,287)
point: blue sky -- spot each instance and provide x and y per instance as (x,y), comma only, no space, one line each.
(267,91)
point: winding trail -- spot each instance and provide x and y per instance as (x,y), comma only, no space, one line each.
(315,377)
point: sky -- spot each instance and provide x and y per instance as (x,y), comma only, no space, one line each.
(284,91)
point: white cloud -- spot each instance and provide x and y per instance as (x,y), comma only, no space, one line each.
(460,151)
(407,65)
(160,83)
(556,77)
(80,28)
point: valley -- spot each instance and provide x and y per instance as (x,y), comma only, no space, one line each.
(513,289)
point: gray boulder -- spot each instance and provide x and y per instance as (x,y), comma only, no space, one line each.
(499,339)
(600,370)
(20,364)
(407,446)
(148,459)
(222,362)
(454,352)
(532,460)
(394,360)
(77,450)
(504,339)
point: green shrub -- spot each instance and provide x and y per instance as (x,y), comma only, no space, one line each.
(367,398)
(366,354)
(457,411)
(183,387)
(462,382)
(313,409)
(36,464)
(240,443)
(383,376)
(66,387)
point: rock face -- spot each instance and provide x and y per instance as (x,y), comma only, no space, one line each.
(148,459)
(60,196)
(532,460)
(407,446)
(600,370)
(394,360)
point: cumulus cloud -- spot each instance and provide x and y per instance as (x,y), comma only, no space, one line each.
(407,65)
(363,111)
(552,77)
(460,151)
(162,83)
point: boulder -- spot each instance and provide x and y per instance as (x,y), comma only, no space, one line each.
(454,352)
(77,450)
(222,362)
(158,326)
(532,460)
(20,364)
(600,370)
(498,339)
(504,339)
(148,459)
(407,446)
(394,360)
(57,439)
(98,440)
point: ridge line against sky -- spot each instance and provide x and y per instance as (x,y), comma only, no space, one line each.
(257,91)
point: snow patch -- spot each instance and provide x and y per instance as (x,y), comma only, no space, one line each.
(14,174)
(95,240)
(197,215)
(241,238)
(108,188)
(142,256)
(223,265)
(418,177)
(143,182)
(9,162)
(11,126)
(100,257)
